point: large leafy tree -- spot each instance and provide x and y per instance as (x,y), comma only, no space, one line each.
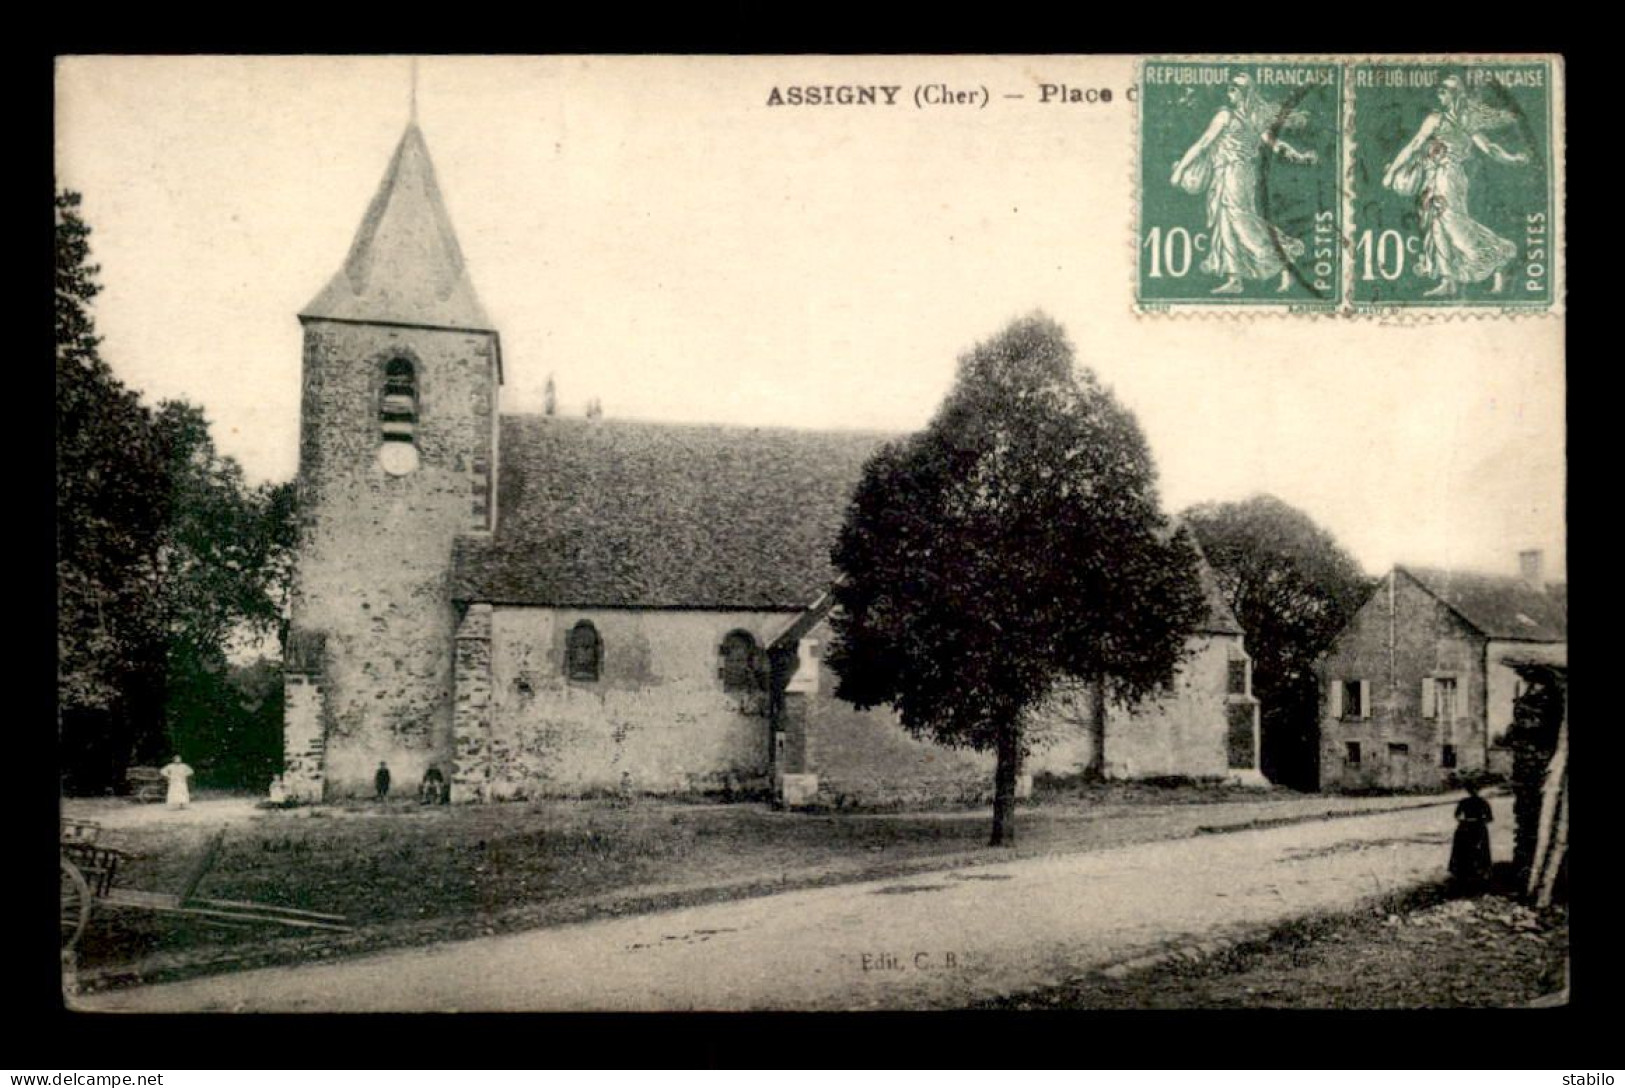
(219,571)
(1013,546)
(1293,588)
(164,553)
(110,510)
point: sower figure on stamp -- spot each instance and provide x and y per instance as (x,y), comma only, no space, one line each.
(1242,244)
(1456,248)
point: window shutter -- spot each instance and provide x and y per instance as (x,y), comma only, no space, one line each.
(1365,698)
(1335,696)
(1430,702)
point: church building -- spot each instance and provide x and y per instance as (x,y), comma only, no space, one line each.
(538,606)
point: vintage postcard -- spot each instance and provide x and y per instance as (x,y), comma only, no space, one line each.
(617,533)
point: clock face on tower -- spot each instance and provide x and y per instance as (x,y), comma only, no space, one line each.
(398,458)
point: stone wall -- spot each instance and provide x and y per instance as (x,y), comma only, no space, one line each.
(1394,648)
(657,720)
(1501,687)
(471,712)
(373,567)
(867,756)
(302,736)
(1182,731)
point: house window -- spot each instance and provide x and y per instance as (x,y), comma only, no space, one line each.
(1350,699)
(1441,699)
(398,408)
(1399,751)
(1351,753)
(583,652)
(1238,677)
(1447,757)
(742,667)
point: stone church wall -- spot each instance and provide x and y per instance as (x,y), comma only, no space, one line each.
(372,582)
(866,756)
(1181,732)
(657,720)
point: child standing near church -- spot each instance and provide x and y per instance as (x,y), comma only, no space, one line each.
(178,774)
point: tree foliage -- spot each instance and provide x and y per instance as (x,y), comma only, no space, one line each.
(1013,545)
(1293,588)
(164,552)
(107,474)
(223,557)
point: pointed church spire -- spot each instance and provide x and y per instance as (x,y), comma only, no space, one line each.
(405,265)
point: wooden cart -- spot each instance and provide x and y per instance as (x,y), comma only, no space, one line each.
(89,882)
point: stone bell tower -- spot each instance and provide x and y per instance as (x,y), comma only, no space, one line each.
(397,455)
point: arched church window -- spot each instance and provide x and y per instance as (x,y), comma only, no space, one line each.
(398,418)
(583,652)
(743,668)
(398,410)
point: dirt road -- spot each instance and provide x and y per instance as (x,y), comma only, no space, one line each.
(928,941)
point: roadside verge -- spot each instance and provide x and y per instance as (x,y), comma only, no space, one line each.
(639,899)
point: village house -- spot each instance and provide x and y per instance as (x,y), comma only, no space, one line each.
(539,606)
(1418,687)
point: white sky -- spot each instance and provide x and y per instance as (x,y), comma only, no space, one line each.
(650,233)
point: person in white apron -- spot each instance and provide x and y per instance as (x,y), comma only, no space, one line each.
(179,774)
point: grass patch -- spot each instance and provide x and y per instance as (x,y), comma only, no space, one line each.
(1419,948)
(408,874)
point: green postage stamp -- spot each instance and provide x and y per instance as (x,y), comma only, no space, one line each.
(1349,185)
(1451,184)
(1240,185)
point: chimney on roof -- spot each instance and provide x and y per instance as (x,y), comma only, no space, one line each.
(1529,564)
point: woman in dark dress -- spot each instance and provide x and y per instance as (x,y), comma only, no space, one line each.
(1470,853)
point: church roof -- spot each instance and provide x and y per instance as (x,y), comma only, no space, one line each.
(631,514)
(1220,619)
(405,265)
(1500,606)
(623,513)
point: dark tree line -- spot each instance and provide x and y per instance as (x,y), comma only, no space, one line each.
(164,554)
